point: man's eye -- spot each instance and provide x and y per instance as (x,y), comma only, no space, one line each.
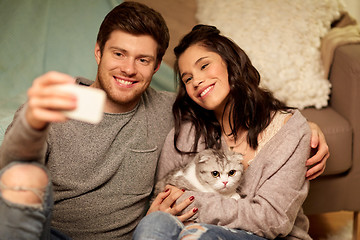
(118,54)
(144,61)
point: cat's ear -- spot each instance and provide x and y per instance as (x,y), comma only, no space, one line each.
(203,158)
(205,155)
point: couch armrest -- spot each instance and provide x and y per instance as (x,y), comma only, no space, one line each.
(345,97)
(345,80)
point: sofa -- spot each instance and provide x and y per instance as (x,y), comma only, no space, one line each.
(338,187)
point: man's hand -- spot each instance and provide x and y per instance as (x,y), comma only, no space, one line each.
(317,162)
(166,202)
(46,105)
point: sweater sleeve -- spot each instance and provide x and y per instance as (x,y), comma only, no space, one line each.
(21,142)
(272,191)
(170,158)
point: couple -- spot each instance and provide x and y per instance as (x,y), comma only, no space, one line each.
(101,176)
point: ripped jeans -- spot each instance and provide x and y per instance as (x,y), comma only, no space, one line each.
(160,225)
(30,221)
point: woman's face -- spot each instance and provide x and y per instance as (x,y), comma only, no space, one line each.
(205,76)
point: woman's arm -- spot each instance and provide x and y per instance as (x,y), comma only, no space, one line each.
(170,158)
(167,200)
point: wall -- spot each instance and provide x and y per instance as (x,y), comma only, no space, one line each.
(353,7)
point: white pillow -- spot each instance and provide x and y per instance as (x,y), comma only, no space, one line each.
(282,39)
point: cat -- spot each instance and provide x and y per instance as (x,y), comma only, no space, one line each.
(209,171)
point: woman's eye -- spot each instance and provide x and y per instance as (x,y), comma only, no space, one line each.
(204,66)
(215,174)
(188,79)
(232,173)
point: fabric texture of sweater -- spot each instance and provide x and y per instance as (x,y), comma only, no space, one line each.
(272,189)
(102,174)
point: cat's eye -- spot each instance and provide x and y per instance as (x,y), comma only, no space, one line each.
(232,173)
(215,174)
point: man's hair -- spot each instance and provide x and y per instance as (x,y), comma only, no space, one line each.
(138,19)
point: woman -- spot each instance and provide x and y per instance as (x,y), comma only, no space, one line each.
(220,105)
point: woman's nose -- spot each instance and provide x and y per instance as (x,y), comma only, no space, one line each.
(197,82)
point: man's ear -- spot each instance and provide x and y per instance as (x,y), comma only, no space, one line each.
(157,67)
(97,53)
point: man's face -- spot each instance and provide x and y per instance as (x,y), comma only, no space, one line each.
(125,69)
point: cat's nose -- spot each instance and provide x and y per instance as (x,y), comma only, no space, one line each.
(226,182)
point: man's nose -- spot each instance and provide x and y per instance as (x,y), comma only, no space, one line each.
(128,67)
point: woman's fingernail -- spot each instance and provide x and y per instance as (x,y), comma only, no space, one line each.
(183,190)
(167,190)
(191,198)
(195,210)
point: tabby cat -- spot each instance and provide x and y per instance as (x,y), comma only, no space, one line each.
(209,171)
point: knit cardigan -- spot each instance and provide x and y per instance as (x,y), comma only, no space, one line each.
(273,188)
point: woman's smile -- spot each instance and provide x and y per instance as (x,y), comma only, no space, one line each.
(205,91)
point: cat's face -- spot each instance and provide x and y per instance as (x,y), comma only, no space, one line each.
(220,171)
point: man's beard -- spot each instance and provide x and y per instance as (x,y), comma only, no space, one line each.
(111,93)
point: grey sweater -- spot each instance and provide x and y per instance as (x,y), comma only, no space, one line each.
(272,190)
(102,174)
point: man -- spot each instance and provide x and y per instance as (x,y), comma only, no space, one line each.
(101,175)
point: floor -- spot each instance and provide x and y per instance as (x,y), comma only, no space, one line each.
(330,223)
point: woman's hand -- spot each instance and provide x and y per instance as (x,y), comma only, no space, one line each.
(166,202)
(317,162)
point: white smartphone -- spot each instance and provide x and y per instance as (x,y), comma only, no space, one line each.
(90,103)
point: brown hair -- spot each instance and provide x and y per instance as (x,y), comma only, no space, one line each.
(138,19)
(251,107)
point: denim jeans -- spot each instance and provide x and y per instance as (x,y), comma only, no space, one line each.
(160,225)
(28,222)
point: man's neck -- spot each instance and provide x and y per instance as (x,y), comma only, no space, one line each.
(114,107)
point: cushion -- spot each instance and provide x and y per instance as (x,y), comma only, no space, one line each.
(282,38)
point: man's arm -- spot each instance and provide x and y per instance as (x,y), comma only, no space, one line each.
(317,162)
(25,138)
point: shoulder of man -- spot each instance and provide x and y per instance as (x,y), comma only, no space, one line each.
(83,81)
(159,98)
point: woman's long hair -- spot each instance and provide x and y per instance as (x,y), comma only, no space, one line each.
(251,108)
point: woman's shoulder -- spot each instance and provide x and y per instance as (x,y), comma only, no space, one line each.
(186,137)
(291,119)
(279,119)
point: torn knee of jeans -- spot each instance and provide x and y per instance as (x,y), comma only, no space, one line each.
(13,195)
(39,193)
(193,231)
(24,184)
